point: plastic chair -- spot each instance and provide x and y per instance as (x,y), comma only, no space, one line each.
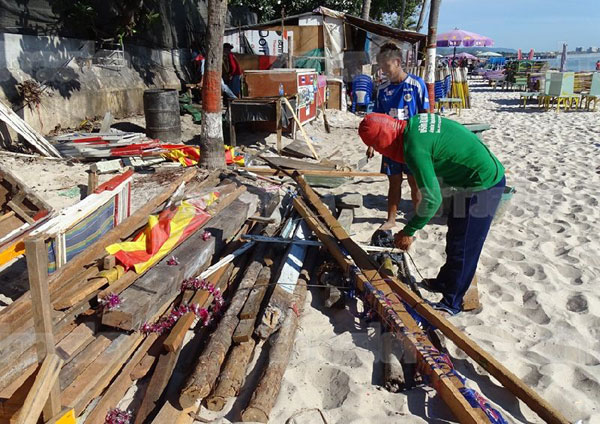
(362,89)
(560,90)
(594,94)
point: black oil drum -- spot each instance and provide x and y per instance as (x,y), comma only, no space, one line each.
(161,109)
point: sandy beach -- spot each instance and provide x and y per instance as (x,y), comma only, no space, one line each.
(537,275)
(537,278)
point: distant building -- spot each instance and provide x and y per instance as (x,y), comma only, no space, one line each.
(593,49)
(578,49)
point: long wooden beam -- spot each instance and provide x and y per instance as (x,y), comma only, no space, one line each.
(509,380)
(316,172)
(393,313)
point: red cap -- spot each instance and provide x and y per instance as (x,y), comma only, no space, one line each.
(384,134)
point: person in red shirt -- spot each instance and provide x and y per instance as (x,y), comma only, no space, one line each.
(232,71)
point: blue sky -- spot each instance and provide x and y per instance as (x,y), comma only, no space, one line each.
(525,24)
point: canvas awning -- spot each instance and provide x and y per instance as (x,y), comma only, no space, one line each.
(366,25)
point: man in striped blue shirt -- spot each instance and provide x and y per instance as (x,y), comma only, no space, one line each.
(402,97)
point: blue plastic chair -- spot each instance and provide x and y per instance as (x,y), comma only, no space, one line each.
(362,84)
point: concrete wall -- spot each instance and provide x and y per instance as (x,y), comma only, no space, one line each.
(78,86)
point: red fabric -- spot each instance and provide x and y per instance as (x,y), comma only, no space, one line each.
(236,69)
(384,134)
(265,62)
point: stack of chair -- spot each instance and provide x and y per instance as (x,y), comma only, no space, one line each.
(559,90)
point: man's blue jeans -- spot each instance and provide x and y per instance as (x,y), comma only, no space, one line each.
(469,221)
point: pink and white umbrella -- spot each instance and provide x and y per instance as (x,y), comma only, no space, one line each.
(461,38)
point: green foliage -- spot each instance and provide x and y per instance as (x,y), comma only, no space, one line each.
(107,18)
(269,9)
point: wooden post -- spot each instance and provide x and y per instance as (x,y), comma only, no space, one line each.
(290,52)
(37,268)
(434,12)
(92,182)
(306,137)
(278,125)
(232,135)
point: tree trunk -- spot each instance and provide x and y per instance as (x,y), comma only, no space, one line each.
(422,16)
(366,9)
(211,140)
(401,23)
(434,11)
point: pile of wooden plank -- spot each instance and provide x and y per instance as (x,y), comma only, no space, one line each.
(61,348)
(111,144)
(189,326)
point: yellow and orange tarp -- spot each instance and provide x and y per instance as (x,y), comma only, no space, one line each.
(162,234)
(190,155)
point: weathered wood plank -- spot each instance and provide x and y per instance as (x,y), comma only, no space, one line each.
(37,269)
(79,363)
(41,390)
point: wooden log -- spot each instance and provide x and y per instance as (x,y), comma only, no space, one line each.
(201,380)
(37,269)
(393,373)
(508,379)
(41,390)
(265,395)
(202,297)
(119,285)
(99,373)
(233,375)
(314,172)
(19,311)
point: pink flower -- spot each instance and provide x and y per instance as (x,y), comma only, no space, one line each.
(206,235)
(117,416)
(111,301)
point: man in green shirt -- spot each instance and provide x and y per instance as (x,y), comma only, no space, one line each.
(442,153)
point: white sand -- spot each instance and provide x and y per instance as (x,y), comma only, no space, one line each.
(537,276)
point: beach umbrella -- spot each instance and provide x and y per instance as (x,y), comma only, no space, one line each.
(488,54)
(563,58)
(458,37)
(464,55)
(530,57)
(519,55)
